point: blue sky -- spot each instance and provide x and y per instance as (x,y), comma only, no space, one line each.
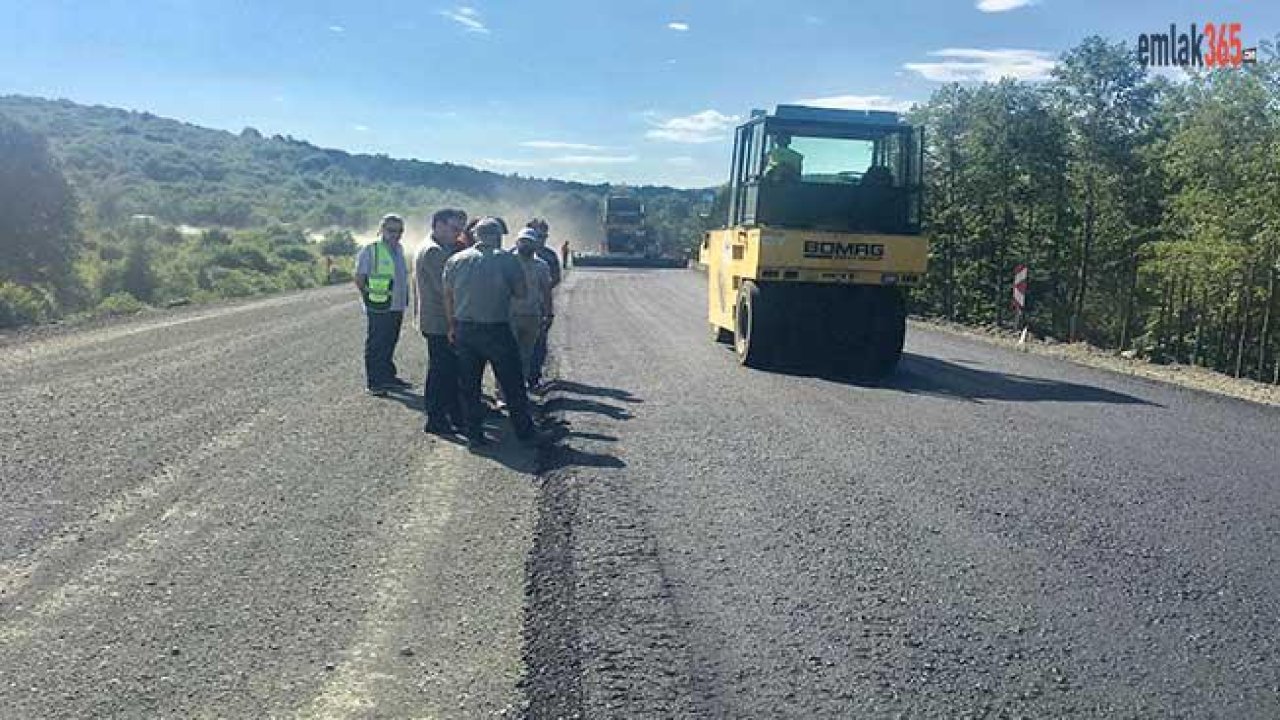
(639,91)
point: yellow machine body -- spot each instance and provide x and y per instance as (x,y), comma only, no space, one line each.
(779,255)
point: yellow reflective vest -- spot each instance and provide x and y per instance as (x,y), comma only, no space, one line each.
(382,275)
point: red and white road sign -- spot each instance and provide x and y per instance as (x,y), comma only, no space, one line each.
(1020,287)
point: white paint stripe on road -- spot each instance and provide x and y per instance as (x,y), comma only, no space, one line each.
(350,691)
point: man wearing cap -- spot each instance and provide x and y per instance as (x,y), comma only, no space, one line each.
(441,397)
(479,285)
(530,314)
(548,256)
(383,281)
(543,230)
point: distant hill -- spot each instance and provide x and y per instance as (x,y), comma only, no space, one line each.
(122,163)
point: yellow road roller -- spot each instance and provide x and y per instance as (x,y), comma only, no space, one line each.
(821,240)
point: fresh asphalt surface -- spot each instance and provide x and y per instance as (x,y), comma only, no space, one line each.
(201,515)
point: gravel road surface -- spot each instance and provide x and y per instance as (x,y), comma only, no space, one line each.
(202,515)
(205,516)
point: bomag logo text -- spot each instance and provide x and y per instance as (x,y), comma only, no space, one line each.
(841,250)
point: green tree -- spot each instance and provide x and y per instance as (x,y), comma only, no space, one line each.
(1103,95)
(1220,272)
(39,238)
(139,278)
(339,243)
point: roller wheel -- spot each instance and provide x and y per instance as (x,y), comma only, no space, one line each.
(755,328)
(874,349)
(889,333)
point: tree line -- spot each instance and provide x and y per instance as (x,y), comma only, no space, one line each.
(1147,209)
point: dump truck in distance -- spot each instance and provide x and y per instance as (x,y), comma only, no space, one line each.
(821,239)
(628,239)
(624,228)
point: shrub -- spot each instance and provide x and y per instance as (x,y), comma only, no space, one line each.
(139,277)
(177,278)
(339,274)
(339,244)
(21,305)
(214,237)
(295,253)
(121,303)
(302,276)
(242,256)
(233,284)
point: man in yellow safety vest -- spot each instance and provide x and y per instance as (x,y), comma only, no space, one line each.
(383,280)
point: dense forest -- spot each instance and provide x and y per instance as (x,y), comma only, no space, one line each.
(106,209)
(1147,210)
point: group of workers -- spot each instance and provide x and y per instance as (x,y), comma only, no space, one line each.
(477,305)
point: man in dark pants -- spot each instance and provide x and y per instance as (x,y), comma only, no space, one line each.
(441,397)
(383,280)
(547,255)
(479,283)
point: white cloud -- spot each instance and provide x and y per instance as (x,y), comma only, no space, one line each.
(558,145)
(501,162)
(337,28)
(361,128)
(681,161)
(467,17)
(593,159)
(960,64)
(678,26)
(995,6)
(704,127)
(859,102)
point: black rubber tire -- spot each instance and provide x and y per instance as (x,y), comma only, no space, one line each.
(876,348)
(755,328)
(889,333)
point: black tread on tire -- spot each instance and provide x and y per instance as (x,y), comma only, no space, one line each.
(756,325)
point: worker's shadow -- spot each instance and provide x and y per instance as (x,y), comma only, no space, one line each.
(575,388)
(560,404)
(574,448)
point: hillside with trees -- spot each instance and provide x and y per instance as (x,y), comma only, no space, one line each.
(124,208)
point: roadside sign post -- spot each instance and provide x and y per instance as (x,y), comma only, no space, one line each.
(1019,294)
